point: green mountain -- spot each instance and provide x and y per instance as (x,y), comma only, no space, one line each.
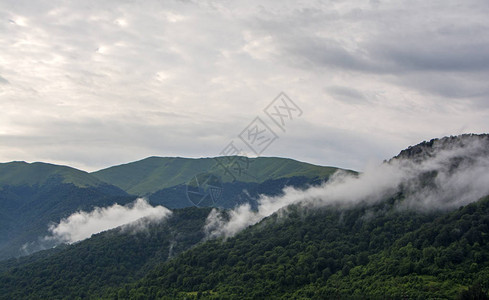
(20,173)
(152,174)
(173,181)
(370,250)
(108,259)
(34,195)
(311,253)
(330,253)
(373,249)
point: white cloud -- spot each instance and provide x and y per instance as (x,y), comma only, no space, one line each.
(81,225)
(129,70)
(462,174)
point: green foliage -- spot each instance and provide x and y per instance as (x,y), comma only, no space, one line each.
(34,195)
(335,254)
(106,260)
(365,252)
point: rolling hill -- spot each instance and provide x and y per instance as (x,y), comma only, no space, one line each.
(369,249)
(108,259)
(33,195)
(20,173)
(326,254)
(152,174)
(164,180)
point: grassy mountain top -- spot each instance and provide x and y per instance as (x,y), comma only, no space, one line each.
(155,173)
(22,173)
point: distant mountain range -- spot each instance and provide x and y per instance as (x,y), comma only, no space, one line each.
(153,174)
(165,180)
(368,249)
(33,195)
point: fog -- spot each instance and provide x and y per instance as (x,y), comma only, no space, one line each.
(81,225)
(445,176)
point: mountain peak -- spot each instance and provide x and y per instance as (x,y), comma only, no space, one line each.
(23,173)
(427,149)
(155,173)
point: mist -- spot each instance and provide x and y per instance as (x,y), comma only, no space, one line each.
(82,225)
(444,176)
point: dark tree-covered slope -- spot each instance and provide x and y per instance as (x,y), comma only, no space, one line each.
(108,259)
(334,254)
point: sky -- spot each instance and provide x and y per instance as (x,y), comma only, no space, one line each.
(93,84)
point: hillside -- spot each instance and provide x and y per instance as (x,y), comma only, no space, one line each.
(33,195)
(335,254)
(416,227)
(427,149)
(152,174)
(35,174)
(326,253)
(107,259)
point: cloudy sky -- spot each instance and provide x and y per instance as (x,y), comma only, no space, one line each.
(97,83)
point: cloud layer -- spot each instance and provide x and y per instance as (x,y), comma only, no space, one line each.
(92,83)
(81,225)
(447,176)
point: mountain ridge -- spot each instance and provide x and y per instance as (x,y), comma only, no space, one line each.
(135,178)
(37,173)
(33,195)
(366,250)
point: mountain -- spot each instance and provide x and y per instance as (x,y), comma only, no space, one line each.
(20,173)
(366,249)
(107,259)
(165,180)
(152,174)
(427,149)
(319,254)
(328,253)
(34,195)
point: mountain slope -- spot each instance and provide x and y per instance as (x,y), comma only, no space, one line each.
(380,245)
(32,174)
(152,174)
(428,149)
(34,195)
(108,259)
(334,254)
(441,259)
(325,253)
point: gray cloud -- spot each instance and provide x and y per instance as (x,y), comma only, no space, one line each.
(92,84)
(346,94)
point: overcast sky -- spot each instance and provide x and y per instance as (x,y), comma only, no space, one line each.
(97,83)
